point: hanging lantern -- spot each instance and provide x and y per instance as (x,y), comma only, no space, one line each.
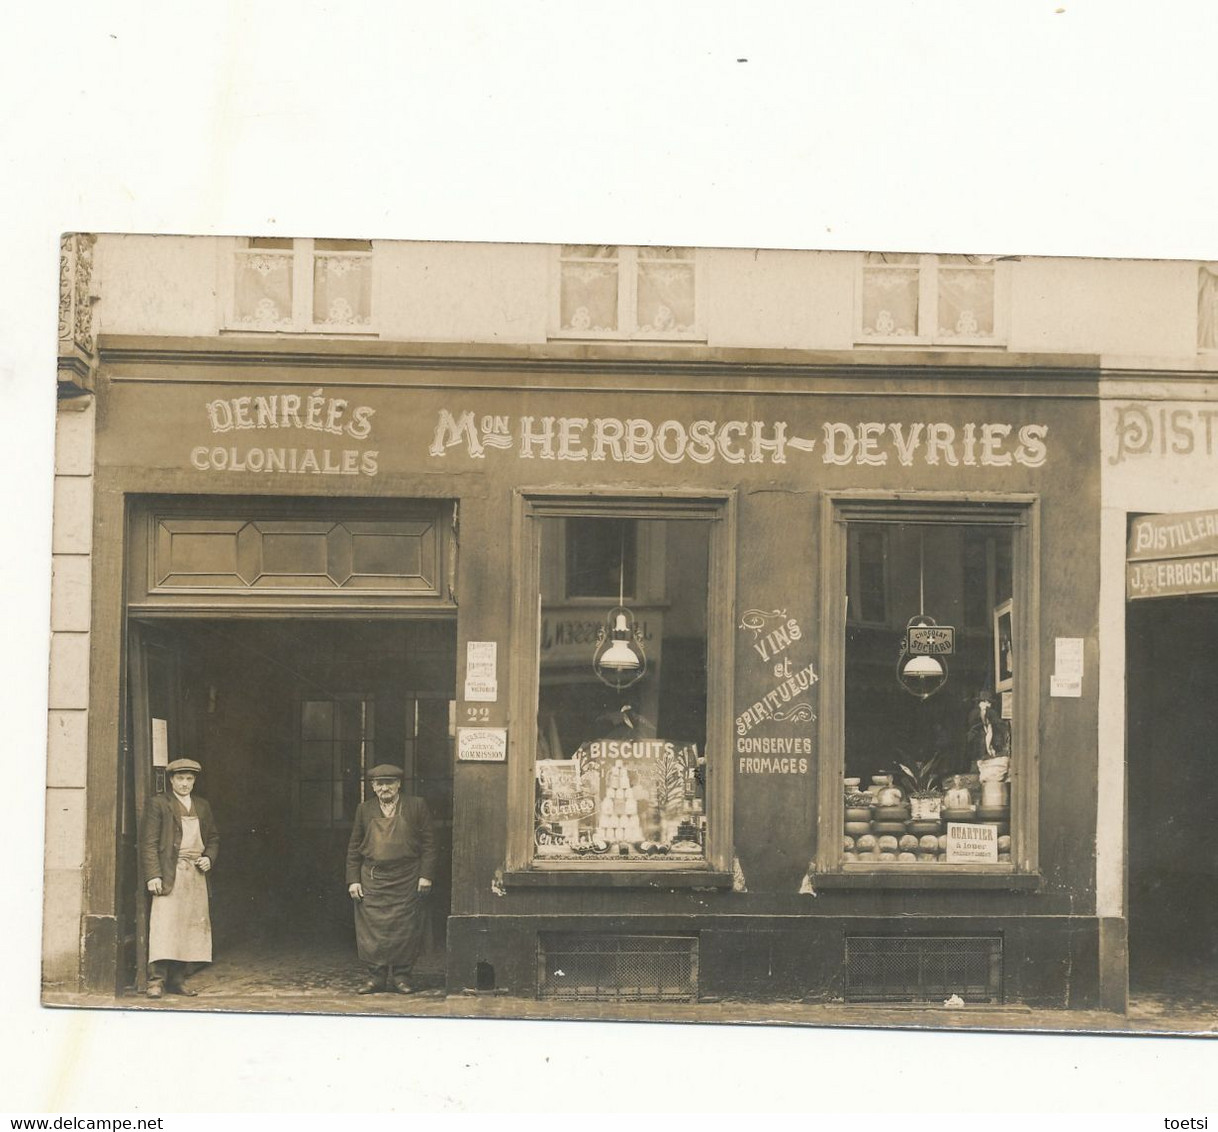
(619,660)
(922,668)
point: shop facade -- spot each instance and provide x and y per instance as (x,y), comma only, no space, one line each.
(726,670)
(1159,614)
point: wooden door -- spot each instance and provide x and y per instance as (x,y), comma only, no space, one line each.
(153,733)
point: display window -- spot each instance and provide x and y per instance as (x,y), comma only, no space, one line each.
(926,731)
(624,751)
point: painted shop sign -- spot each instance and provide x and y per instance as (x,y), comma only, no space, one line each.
(1171,579)
(313,432)
(639,440)
(782,702)
(1152,429)
(292,435)
(1172,555)
(774,632)
(1185,535)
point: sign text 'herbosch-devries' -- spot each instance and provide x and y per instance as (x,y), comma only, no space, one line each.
(639,440)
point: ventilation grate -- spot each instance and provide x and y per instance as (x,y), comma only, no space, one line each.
(596,967)
(923,968)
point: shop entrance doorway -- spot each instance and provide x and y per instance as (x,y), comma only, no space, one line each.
(286,715)
(1172,691)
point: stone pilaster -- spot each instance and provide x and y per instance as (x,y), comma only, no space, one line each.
(77,339)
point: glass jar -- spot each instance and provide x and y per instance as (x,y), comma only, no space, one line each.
(888,794)
(956,793)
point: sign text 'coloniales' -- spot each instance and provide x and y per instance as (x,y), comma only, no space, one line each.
(288,412)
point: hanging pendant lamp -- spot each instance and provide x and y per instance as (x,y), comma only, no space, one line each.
(619,660)
(922,668)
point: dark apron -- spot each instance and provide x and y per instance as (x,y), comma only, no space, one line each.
(391,919)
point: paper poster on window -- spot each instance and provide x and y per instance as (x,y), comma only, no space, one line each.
(623,798)
(481,671)
(1068,656)
(972,844)
(160,742)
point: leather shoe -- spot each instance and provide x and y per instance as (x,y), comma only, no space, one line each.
(400,985)
(181,988)
(155,990)
(372,986)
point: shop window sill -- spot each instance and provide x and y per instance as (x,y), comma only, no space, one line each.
(616,878)
(901,877)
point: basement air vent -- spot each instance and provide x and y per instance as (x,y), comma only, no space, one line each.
(610,967)
(923,968)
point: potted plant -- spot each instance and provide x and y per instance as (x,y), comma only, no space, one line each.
(921,783)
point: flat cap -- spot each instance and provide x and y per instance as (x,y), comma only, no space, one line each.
(183,764)
(386,770)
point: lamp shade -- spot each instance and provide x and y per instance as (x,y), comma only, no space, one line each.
(922,668)
(619,655)
(619,660)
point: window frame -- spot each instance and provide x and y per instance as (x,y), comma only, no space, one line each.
(1210,268)
(302,320)
(718,509)
(855,584)
(1021,514)
(368,749)
(628,261)
(928,266)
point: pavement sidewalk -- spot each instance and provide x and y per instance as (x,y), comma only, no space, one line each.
(1145,1017)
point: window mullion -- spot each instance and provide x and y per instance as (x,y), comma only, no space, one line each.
(628,291)
(302,283)
(928,297)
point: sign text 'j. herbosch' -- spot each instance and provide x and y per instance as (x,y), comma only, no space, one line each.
(638,440)
(290,413)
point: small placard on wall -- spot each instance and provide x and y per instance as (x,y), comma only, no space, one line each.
(481,671)
(481,744)
(160,742)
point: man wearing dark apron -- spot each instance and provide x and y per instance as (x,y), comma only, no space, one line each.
(391,859)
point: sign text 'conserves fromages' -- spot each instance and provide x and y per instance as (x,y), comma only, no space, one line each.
(639,440)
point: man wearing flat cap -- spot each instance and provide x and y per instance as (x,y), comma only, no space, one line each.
(178,846)
(391,859)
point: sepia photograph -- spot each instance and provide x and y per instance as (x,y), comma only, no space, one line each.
(601,631)
(578,561)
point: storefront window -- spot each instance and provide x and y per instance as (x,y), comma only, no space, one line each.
(928,730)
(620,771)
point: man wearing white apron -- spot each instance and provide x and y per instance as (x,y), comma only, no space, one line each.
(178,846)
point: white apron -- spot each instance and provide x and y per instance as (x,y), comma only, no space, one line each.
(181,922)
